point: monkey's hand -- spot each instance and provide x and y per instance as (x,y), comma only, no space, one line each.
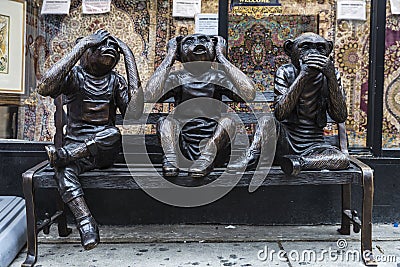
(172,47)
(321,63)
(220,49)
(308,72)
(96,38)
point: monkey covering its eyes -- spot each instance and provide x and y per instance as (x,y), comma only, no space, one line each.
(197,130)
(305,91)
(92,92)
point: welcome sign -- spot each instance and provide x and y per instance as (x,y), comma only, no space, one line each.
(255,3)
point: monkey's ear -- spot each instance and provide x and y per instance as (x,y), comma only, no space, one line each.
(214,39)
(179,39)
(288,47)
(78,40)
(330,47)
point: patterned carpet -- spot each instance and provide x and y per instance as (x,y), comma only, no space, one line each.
(256,45)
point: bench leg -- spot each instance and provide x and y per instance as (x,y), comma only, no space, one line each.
(28,189)
(63,229)
(346,205)
(366,230)
(368,200)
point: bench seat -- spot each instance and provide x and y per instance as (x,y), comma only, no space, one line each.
(119,176)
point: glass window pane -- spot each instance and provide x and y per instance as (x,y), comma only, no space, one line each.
(391,97)
(256,37)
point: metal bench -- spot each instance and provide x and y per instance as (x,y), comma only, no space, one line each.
(120,177)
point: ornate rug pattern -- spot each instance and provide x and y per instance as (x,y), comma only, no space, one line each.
(352,60)
(256,45)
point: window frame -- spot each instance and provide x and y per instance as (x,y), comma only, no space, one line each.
(375,80)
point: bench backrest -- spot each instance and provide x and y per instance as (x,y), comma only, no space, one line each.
(336,132)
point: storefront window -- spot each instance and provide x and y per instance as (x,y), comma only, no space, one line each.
(257,34)
(147,25)
(391,90)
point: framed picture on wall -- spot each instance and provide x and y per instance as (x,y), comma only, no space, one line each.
(12,46)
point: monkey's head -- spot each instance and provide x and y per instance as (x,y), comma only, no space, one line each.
(196,47)
(306,44)
(100,60)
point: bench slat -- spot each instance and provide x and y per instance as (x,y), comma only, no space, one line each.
(153,145)
(120,177)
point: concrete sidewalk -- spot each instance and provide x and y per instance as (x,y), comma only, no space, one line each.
(218,245)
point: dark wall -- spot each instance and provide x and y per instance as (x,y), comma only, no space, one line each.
(15,158)
(272,205)
(387,186)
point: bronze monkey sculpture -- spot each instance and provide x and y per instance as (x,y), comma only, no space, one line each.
(207,133)
(92,92)
(305,91)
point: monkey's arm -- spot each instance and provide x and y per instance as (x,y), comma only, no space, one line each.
(132,100)
(337,108)
(286,94)
(127,102)
(243,85)
(156,84)
(52,80)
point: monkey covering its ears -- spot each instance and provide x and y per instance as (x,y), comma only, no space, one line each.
(200,133)
(306,90)
(93,92)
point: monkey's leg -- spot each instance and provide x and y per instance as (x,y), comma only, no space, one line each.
(85,223)
(105,146)
(319,158)
(72,194)
(61,157)
(107,140)
(223,135)
(167,133)
(265,132)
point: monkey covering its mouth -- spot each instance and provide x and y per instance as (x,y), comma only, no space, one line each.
(307,90)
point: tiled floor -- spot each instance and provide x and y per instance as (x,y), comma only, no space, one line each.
(218,245)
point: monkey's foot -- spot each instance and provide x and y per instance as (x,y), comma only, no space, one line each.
(169,168)
(57,157)
(246,162)
(89,233)
(291,165)
(201,167)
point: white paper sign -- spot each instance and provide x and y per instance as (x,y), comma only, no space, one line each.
(353,10)
(206,24)
(55,7)
(186,8)
(395,6)
(96,6)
